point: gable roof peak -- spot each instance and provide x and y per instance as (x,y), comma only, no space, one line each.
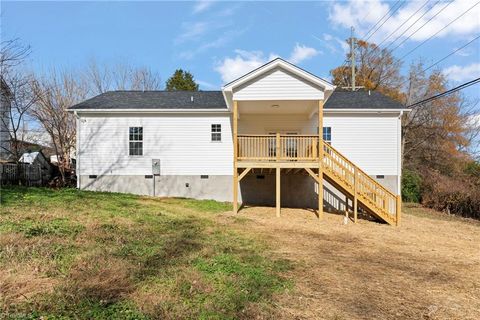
(284,64)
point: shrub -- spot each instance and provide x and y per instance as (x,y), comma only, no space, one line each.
(453,195)
(411,186)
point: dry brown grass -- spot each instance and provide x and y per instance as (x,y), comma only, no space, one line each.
(100,278)
(429,268)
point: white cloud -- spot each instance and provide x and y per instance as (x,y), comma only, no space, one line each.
(206,84)
(246,61)
(333,44)
(192,31)
(201,6)
(243,62)
(301,53)
(462,73)
(218,42)
(465,52)
(363,14)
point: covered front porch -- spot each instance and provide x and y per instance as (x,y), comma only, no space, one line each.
(280,137)
(277,110)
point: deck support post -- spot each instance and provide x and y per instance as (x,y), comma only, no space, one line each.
(320,159)
(398,210)
(235,156)
(277,192)
(355,200)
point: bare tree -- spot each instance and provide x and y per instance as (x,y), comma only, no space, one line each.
(17,97)
(56,93)
(12,53)
(439,133)
(15,113)
(120,76)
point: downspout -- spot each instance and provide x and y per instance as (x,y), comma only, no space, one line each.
(400,153)
(77,150)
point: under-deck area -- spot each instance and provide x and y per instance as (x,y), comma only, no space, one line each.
(278,140)
(277,127)
(298,162)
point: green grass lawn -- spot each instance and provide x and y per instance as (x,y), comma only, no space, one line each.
(78,254)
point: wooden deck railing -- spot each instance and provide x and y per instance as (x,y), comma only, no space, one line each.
(372,194)
(278,147)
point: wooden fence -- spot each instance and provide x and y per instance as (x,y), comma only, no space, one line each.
(24,174)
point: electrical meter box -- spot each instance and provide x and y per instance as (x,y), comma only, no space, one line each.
(156,167)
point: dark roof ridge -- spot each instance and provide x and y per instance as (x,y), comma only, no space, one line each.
(162,91)
(214,100)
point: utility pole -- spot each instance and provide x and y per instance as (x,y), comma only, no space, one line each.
(352,59)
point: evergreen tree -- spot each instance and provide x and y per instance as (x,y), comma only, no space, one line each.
(181,81)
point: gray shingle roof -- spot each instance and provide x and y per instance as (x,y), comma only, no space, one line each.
(361,100)
(155,100)
(214,100)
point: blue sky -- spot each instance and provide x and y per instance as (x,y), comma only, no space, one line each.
(220,40)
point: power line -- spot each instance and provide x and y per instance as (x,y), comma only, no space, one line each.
(423,42)
(418,19)
(447,56)
(380,19)
(439,31)
(445,93)
(424,5)
(423,25)
(391,14)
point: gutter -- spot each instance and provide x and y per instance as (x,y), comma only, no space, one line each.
(77,149)
(366,110)
(151,110)
(220,111)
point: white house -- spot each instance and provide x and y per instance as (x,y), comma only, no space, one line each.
(5,105)
(256,141)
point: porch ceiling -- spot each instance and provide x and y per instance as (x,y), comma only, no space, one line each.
(284,107)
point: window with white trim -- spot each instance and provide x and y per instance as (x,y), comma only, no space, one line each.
(327,134)
(135,141)
(216,132)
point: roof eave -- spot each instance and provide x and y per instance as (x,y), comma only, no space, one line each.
(89,110)
(363,110)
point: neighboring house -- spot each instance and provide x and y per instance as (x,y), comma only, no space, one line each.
(4,121)
(257,141)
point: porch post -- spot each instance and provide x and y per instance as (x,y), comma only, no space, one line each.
(399,209)
(320,159)
(277,196)
(235,155)
(355,200)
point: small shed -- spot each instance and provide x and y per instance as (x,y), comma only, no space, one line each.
(38,159)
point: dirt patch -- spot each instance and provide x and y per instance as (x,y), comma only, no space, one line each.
(429,268)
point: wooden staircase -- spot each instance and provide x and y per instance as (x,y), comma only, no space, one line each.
(305,151)
(367,193)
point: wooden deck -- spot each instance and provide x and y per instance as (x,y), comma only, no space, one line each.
(276,152)
(320,160)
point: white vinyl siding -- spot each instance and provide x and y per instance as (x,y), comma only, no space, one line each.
(181,142)
(371,142)
(278,85)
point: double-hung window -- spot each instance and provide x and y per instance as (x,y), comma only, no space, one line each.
(327,134)
(216,132)
(135,141)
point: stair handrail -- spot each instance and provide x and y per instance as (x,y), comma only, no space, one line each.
(379,189)
(358,169)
